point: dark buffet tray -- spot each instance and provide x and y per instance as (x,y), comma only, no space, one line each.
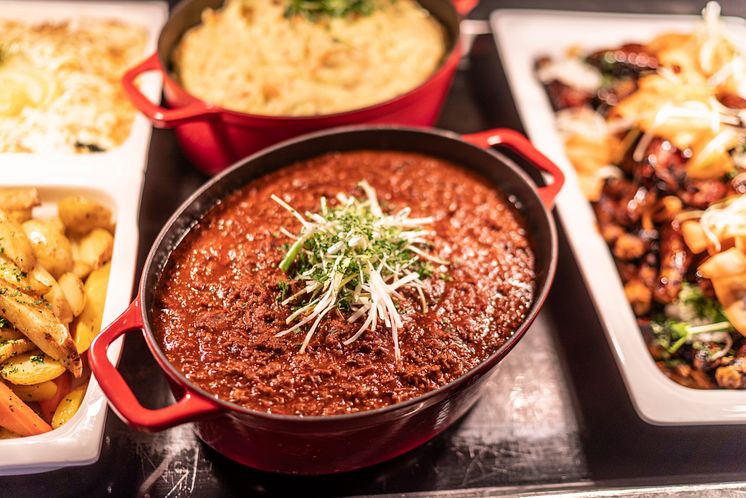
(556,417)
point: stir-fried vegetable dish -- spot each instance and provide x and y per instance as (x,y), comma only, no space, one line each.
(656,134)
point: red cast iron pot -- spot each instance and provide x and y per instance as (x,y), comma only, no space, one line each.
(326,444)
(214,137)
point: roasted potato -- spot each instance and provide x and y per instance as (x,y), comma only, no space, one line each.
(12,275)
(38,323)
(88,324)
(47,313)
(68,406)
(13,347)
(73,289)
(82,215)
(31,368)
(35,392)
(50,245)
(15,245)
(16,199)
(95,248)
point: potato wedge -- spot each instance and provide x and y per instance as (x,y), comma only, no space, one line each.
(60,307)
(12,199)
(68,407)
(81,215)
(6,434)
(9,334)
(35,392)
(15,245)
(94,249)
(19,215)
(50,245)
(81,269)
(31,368)
(21,280)
(88,324)
(74,291)
(13,347)
(39,324)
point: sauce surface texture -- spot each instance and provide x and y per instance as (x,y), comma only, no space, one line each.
(217,306)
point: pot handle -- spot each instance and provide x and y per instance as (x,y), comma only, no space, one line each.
(160,116)
(520,144)
(121,398)
(463,7)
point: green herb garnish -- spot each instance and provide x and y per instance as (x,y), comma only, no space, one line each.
(690,318)
(313,9)
(354,257)
(37,358)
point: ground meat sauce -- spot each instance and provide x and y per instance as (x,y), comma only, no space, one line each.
(217,309)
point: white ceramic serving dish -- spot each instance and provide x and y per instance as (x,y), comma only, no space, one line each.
(132,153)
(522,36)
(79,441)
(115,178)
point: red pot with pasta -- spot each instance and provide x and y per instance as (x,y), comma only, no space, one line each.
(339,299)
(227,96)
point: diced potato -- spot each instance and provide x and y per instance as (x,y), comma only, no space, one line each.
(731,292)
(72,288)
(12,199)
(81,215)
(88,324)
(35,392)
(694,236)
(31,368)
(95,249)
(15,245)
(50,245)
(68,407)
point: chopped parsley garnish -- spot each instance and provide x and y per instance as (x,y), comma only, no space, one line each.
(314,9)
(4,323)
(37,358)
(283,289)
(355,258)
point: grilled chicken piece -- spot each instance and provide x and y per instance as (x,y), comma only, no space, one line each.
(699,194)
(629,246)
(675,260)
(732,375)
(631,60)
(563,96)
(639,296)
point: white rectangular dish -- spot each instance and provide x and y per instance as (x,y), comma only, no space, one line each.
(132,153)
(79,441)
(521,37)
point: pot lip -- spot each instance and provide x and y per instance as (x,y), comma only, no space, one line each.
(449,60)
(423,399)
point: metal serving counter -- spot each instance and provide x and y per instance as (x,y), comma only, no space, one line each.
(555,419)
